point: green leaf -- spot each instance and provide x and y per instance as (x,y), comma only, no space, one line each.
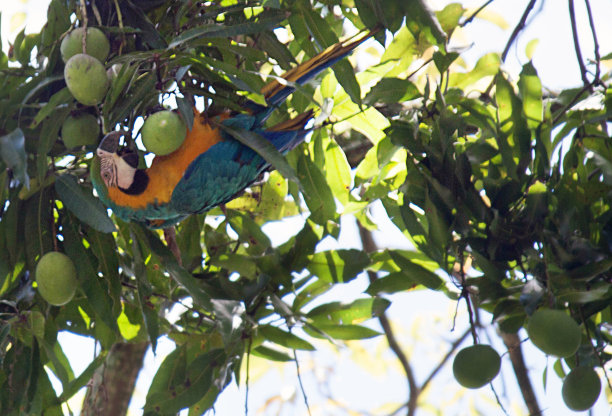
(149,313)
(61,97)
(185,110)
(419,19)
(391,283)
(342,332)
(271,354)
(76,384)
(338,172)
(178,273)
(318,28)
(286,339)
(345,74)
(185,391)
(83,204)
(271,21)
(416,273)
(317,194)
(443,61)
(390,91)
(350,313)
(530,88)
(249,232)
(94,287)
(12,150)
(338,266)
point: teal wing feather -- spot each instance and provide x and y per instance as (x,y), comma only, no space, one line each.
(224,170)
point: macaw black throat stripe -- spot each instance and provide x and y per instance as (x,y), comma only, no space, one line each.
(139,184)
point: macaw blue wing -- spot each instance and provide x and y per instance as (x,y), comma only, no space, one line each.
(217,175)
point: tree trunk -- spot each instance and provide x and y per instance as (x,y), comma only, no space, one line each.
(110,389)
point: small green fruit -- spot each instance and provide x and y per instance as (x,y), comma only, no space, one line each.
(97,44)
(581,388)
(80,130)
(554,332)
(163,132)
(476,366)
(56,278)
(86,79)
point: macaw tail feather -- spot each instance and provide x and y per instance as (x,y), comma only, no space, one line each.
(277,91)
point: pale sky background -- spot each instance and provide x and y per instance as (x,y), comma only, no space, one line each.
(422,319)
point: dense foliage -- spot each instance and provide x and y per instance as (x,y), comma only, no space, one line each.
(503,189)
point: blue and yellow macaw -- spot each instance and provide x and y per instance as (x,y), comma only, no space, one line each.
(210,167)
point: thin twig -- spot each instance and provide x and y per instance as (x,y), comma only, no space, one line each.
(450,352)
(369,246)
(248,367)
(595,43)
(570,104)
(473,15)
(583,70)
(518,28)
(299,376)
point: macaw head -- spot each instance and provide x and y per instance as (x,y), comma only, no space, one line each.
(117,165)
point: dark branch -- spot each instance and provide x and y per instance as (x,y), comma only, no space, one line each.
(595,43)
(583,70)
(513,344)
(473,15)
(518,28)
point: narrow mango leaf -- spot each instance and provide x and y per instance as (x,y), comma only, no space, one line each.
(178,273)
(185,110)
(513,124)
(338,266)
(83,204)
(345,74)
(419,19)
(271,354)
(317,194)
(93,286)
(530,88)
(249,232)
(199,378)
(286,339)
(338,172)
(391,90)
(75,385)
(265,149)
(149,314)
(391,283)
(350,313)
(170,372)
(49,134)
(271,21)
(485,66)
(277,50)
(342,332)
(61,97)
(318,28)
(416,272)
(229,315)
(12,150)
(104,246)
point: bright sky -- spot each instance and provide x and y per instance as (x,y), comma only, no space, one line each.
(422,318)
